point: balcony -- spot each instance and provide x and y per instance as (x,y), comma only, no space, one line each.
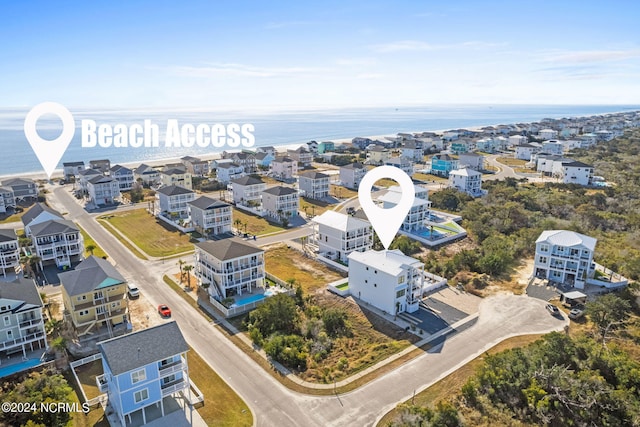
(21,340)
(173,387)
(26,323)
(172,368)
(101,381)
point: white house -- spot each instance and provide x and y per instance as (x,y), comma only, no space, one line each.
(210,216)
(247,191)
(280,202)
(7,199)
(418,214)
(9,250)
(388,280)
(57,240)
(564,257)
(37,214)
(147,174)
(352,174)
(103,190)
(83,179)
(413,151)
(227,172)
(173,201)
(420,192)
(377,154)
(23,188)
(314,185)
(268,149)
(72,169)
(229,267)
(337,235)
(547,133)
(284,168)
(525,151)
(402,163)
(471,160)
(124,176)
(515,140)
(553,146)
(301,155)
(577,173)
(195,166)
(467,180)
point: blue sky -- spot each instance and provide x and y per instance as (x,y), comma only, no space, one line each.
(274,55)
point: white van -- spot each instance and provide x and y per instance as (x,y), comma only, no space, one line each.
(133,290)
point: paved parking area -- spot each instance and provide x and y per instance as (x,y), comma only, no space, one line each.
(541,290)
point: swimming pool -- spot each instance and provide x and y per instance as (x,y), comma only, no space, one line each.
(428,234)
(12,369)
(249,300)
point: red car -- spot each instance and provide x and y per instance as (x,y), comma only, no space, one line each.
(164,310)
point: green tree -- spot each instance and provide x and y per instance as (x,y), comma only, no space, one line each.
(187,271)
(277,314)
(608,312)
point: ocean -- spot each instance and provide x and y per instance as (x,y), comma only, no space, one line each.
(272,128)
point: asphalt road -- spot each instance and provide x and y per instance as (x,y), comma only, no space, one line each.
(273,404)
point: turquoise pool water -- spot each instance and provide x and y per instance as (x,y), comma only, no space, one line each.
(427,234)
(12,369)
(250,299)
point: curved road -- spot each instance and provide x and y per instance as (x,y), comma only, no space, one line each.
(274,404)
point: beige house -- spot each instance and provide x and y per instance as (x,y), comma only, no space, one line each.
(175,176)
(94,296)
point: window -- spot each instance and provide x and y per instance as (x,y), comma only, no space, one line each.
(7,320)
(400,293)
(139,375)
(141,395)
(83,312)
(543,259)
(544,248)
(82,298)
(401,279)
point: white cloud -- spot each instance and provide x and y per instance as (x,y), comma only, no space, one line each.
(591,56)
(403,45)
(241,70)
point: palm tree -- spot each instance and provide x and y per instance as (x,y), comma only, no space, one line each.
(34,263)
(245,227)
(237,223)
(24,262)
(181,263)
(187,269)
(91,248)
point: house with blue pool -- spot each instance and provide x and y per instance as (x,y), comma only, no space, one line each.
(143,371)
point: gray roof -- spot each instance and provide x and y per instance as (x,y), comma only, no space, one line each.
(7,235)
(353,166)
(577,164)
(138,349)
(189,159)
(470,154)
(53,226)
(228,165)
(91,274)
(314,175)
(73,164)
(117,168)
(173,171)
(280,191)
(282,159)
(145,169)
(173,190)
(567,238)
(21,289)
(100,179)
(443,157)
(247,180)
(87,172)
(17,181)
(228,248)
(205,202)
(36,210)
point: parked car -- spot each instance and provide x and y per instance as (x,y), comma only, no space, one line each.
(164,310)
(576,313)
(552,309)
(133,290)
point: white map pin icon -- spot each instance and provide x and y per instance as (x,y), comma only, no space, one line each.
(386,222)
(49,152)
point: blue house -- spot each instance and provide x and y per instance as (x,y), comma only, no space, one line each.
(326,147)
(144,368)
(442,164)
(264,159)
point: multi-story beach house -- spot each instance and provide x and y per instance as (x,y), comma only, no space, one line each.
(564,256)
(412,150)
(525,151)
(467,180)
(314,185)
(173,201)
(244,159)
(229,267)
(402,163)
(94,296)
(72,169)
(301,155)
(337,235)
(124,176)
(22,328)
(326,147)
(577,173)
(312,146)
(471,160)
(377,154)
(103,190)
(547,134)
(283,168)
(227,172)
(83,178)
(195,166)
(9,251)
(176,176)
(102,165)
(148,175)
(442,164)
(143,368)
(352,174)
(58,241)
(37,214)
(7,200)
(267,149)
(280,202)
(210,216)
(388,280)
(247,191)
(460,146)
(23,188)
(264,159)
(418,214)
(515,140)
(420,192)
(553,146)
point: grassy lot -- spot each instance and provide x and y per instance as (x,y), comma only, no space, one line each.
(510,161)
(286,263)
(111,229)
(11,218)
(254,224)
(342,192)
(222,406)
(314,207)
(149,234)
(95,417)
(88,241)
(87,374)
(427,177)
(451,385)
(385,182)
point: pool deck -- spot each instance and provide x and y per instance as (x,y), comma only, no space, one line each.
(11,365)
